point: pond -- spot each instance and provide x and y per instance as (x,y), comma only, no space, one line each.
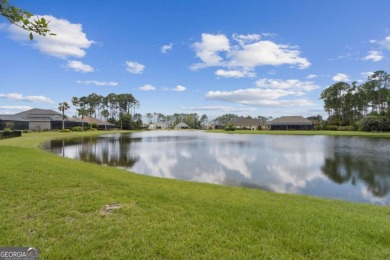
(348,168)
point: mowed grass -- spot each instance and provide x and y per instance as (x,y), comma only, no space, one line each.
(56,204)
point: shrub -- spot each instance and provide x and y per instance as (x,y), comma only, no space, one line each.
(331,127)
(376,123)
(7,130)
(94,125)
(230,127)
(77,129)
(65,131)
(346,128)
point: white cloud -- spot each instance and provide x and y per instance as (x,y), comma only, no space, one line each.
(245,39)
(259,97)
(220,108)
(311,76)
(386,42)
(20,97)
(69,41)
(374,56)
(179,88)
(340,77)
(208,50)
(250,52)
(147,87)
(166,48)
(134,67)
(10,110)
(235,73)
(79,66)
(290,84)
(367,74)
(97,83)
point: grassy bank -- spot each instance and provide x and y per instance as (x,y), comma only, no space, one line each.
(305,132)
(59,205)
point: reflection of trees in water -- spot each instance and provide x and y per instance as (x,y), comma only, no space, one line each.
(106,151)
(343,168)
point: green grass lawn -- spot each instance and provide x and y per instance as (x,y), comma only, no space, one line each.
(57,204)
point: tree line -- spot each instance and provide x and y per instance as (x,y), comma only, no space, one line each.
(118,109)
(193,120)
(363,104)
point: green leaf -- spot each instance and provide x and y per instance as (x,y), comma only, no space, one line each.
(31,36)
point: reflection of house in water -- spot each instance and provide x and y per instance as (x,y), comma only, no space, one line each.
(290,123)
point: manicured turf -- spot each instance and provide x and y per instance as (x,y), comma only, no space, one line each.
(58,205)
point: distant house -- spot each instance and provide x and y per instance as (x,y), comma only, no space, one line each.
(35,119)
(182,126)
(158,126)
(88,120)
(290,123)
(248,123)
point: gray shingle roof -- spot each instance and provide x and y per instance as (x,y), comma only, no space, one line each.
(291,120)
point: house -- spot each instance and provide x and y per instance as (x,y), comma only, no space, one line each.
(157,126)
(182,126)
(36,119)
(290,123)
(101,125)
(248,123)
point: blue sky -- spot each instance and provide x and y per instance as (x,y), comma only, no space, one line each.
(270,58)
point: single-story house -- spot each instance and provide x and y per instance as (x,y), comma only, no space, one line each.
(158,126)
(182,126)
(35,119)
(290,123)
(248,123)
(88,120)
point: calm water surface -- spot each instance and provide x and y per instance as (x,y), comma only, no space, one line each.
(347,168)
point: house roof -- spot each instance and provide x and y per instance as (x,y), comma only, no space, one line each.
(91,120)
(291,120)
(242,121)
(34,114)
(182,125)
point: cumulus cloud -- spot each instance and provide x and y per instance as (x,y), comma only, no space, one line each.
(249,52)
(220,108)
(147,87)
(134,67)
(386,42)
(367,74)
(374,56)
(269,93)
(259,97)
(235,73)
(166,48)
(340,77)
(311,76)
(97,83)
(290,84)
(20,97)
(208,50)
(69,41)
(10,110)
(179,88)
(79,66)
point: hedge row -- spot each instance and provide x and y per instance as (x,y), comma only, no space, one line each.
(10,134)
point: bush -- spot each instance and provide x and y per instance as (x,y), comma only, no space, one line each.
(7,133)
(94,125)
(230,127)
(65,131)
(331,127)
(376,123)
(346,128)
(77,129)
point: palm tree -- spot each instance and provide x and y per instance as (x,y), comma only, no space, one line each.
(62,107)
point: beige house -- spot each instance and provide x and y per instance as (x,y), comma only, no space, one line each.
(248,123)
